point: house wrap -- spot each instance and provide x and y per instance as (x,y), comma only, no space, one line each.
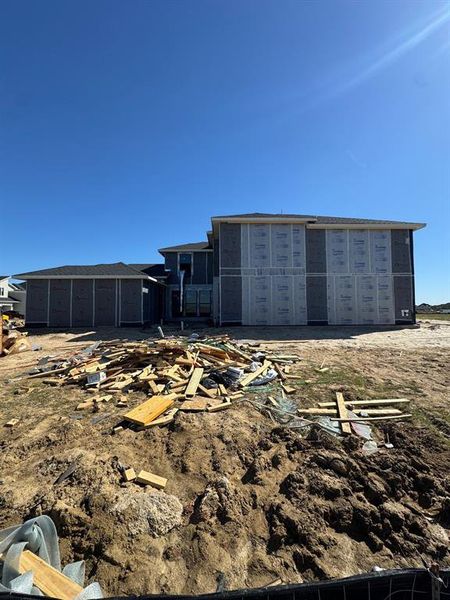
(254,269)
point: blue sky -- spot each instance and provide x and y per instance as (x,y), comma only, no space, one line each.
(125,125)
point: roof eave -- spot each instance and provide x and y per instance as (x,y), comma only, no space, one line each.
(25,276)
(280,219)
(412,226)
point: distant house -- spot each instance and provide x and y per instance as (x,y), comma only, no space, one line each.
(253,269)
(12,296)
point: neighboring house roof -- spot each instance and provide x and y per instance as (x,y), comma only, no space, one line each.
(3,277)
(115,270)
(321,220)
(196,246)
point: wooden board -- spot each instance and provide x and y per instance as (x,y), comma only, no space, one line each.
(364,419)
(334,413)
(342,413)
(380,402)
(148,478)
(149,410)
(194,382)
(129,474)
(50,581)
(251,376)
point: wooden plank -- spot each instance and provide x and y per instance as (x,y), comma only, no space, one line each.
(280,371)
(149,410)
(367,402)
(251,376)
(342,413)
(364,419)
(194,382)
(219,407)
(211,393)
(333,412)
(12,423)
(148,478)
(50,581)
(222,390)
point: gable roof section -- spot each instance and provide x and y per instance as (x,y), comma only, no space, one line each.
(194,247)
(103,271)
(153,269)
(318,221)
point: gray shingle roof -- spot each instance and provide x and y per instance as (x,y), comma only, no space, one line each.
(321,220)
(186,247)
(3,277)
(152,269)
(115,270)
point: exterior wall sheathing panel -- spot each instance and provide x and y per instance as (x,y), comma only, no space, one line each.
(60,299)
(105,302)
(82,302)
(131,301)
(37,302)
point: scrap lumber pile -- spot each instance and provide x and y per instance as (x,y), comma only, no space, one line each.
(13,342)
(205,375)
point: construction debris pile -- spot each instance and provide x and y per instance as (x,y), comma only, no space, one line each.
(206,375)
(13,341)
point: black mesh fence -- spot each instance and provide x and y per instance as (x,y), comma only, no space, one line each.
(405,584)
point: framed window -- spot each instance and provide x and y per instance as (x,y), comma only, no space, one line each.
(185,263)
(205,303)
(2,291)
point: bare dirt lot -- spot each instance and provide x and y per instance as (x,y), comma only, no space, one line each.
(246,497)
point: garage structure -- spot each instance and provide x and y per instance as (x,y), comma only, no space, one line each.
(90,296)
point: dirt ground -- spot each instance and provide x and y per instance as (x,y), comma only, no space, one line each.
(248,500)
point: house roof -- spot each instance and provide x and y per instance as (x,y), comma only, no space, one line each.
(115,270)
(153,269)
(195,246)
(3,277)
(316,220)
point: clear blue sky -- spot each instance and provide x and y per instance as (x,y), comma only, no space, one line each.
(125,125)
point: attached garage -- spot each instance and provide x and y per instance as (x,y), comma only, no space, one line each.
(92,296)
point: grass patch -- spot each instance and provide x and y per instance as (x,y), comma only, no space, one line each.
(433,317)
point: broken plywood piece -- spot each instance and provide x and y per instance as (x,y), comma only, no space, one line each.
(147,478)
(288,389)
(167,418)
(149,410)
(195,404)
